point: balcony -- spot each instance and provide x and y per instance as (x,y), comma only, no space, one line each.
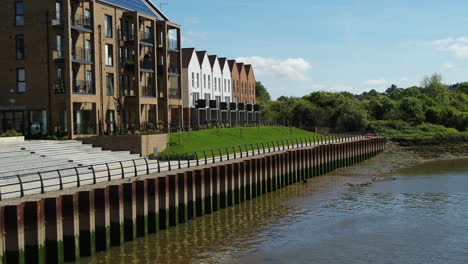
(148,91)
(223,106)
(174,70)
(241,106)
(82,55)
(83,87)
(232,106)
(213,104)
(201,103)
(146,38)
(174,93)
(173,45)
(59,87)
(249,107)
(146,65)
(256,107)
(81,23)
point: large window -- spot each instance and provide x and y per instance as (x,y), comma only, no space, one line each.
(196,97)
(207,99)
(108,26)
(214,83)
(193,80)
(89,83)
(209,82)
(87,18)
(198,80)
(204,81)
(21,80)
(110,84)
(60,46)
(20,47)
(58,12)
(19,13)
(109,55)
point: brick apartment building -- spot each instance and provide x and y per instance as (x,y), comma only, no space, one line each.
(87,67)
(216,89)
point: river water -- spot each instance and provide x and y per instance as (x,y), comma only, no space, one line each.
(419,215)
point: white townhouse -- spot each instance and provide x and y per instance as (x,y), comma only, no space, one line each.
(216,76)
(226,80)
(205,77)
(191,79)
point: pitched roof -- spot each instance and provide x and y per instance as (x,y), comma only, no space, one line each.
(201,56)
(231,64)
(240,65)
(212,59)
(247,68)
(143,6)
(222,62)
(187,54)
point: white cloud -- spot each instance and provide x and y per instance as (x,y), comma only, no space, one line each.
(457,46)
(404,79)
(375,82)
(294,69)
(449,65)
(193,20)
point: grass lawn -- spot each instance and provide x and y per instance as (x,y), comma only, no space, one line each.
(209,138)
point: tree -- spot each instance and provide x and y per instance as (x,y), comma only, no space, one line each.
(412,110)
(429,80)
(261,92)
(380,106)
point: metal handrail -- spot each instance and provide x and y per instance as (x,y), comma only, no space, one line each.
(45,181)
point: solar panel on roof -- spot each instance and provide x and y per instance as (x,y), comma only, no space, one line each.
(135,5)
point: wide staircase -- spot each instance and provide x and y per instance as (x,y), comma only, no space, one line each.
(41,156)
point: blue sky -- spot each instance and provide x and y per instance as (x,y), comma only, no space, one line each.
(300,46)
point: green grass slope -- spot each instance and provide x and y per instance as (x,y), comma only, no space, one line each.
(209,138)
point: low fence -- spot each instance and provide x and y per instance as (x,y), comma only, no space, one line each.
(35,183)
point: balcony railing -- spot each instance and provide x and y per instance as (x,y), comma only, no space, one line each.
(59,87)
(81,22)
(174,93)
(147,65)
(83,87)
(174,69)
(148,91)
(146,37)
(173,45)
(82,54)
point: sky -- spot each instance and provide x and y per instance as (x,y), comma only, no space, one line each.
(300,46)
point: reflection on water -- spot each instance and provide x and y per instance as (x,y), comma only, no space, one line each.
(422,217)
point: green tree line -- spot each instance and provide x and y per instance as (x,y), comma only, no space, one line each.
(431,107)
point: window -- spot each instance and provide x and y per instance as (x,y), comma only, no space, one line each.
(60,75)
(198,80)
(196,97)
(110,84)
(19,13)
(214,83)
(60,46)
(204,81)
(207,99)
(21,80)
(209,82)
(148,33)
(88,50)
(193,80)
(120,29)
(218,99)
(89,82)
(109,55)
(87,18)
(58,13)
(108,26)
(20,47)
(225,86)
(219,84)
(228,99)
